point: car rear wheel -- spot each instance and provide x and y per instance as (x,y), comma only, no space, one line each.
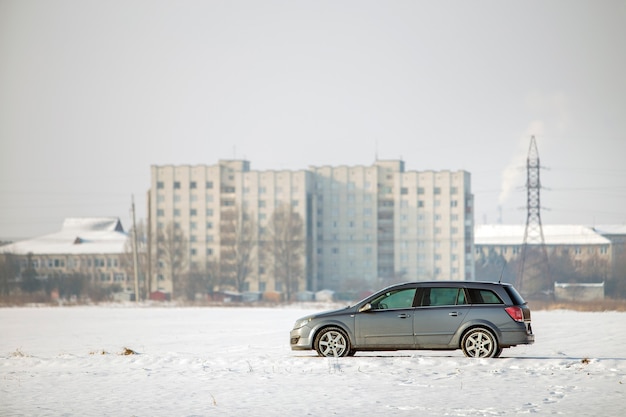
(332,342)
(480,343)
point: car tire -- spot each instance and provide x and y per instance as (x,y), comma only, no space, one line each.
(480,343)
(332,342)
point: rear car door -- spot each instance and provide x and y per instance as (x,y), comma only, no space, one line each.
(439,313)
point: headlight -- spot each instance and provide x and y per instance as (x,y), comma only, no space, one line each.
(302,322)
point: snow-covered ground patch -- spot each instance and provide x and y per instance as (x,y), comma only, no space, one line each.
(237,362)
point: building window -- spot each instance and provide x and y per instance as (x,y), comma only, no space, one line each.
(176,212)
(160,185)
(209,185)
(192,185)
(404,190)
(176,185)
(193,212)
(160,213)
(437,190)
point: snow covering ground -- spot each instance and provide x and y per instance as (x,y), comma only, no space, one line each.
(66,361)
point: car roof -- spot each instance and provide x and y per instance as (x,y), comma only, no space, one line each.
(450,283)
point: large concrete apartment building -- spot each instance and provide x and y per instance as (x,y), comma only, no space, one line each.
(365,226)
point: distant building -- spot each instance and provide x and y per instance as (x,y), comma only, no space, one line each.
(94,247)
(582,245)
(507,240)
(364,225)
(617,235)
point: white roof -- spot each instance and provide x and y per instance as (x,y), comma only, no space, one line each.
(91,235)
(611,229)
(508,234)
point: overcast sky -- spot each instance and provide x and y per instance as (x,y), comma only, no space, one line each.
(92,93)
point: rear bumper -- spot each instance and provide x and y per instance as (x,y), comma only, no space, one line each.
(509,339)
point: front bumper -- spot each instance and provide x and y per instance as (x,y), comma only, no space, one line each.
(300,339)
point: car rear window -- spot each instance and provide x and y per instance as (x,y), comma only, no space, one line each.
(443,296)
(484,296)
(515,296)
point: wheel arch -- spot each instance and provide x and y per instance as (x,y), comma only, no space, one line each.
(332,323)
(484,324)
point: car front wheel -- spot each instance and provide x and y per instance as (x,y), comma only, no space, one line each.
(480,343)
(332,341)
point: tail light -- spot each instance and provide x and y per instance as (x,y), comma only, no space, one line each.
(516,313)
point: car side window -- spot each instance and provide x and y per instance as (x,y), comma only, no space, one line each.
(443,297)
(394,299)
(484,297)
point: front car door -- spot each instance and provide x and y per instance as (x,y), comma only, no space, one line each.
(389,321)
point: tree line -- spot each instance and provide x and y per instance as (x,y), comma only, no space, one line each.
(277,249)
(561,267)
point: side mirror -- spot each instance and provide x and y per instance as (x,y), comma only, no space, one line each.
(365,307)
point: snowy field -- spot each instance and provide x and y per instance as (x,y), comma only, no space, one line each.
(236,362)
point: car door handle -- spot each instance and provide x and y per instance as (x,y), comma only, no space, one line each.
(404,316)
(453,314)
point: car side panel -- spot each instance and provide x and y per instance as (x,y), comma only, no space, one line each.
(434,327)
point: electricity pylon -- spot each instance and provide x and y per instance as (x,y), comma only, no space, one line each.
(534,270)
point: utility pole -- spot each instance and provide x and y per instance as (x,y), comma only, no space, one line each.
(149,248)
(135,255)
(534,256)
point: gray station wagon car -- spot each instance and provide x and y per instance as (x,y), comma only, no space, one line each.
(480,318)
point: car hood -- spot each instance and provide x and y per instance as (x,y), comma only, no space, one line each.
(330,313)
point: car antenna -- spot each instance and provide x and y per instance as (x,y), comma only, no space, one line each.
(502,272)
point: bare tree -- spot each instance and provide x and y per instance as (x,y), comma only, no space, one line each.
(285,248)
(200,281)
(172,254)
(238,241)
(9,271)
